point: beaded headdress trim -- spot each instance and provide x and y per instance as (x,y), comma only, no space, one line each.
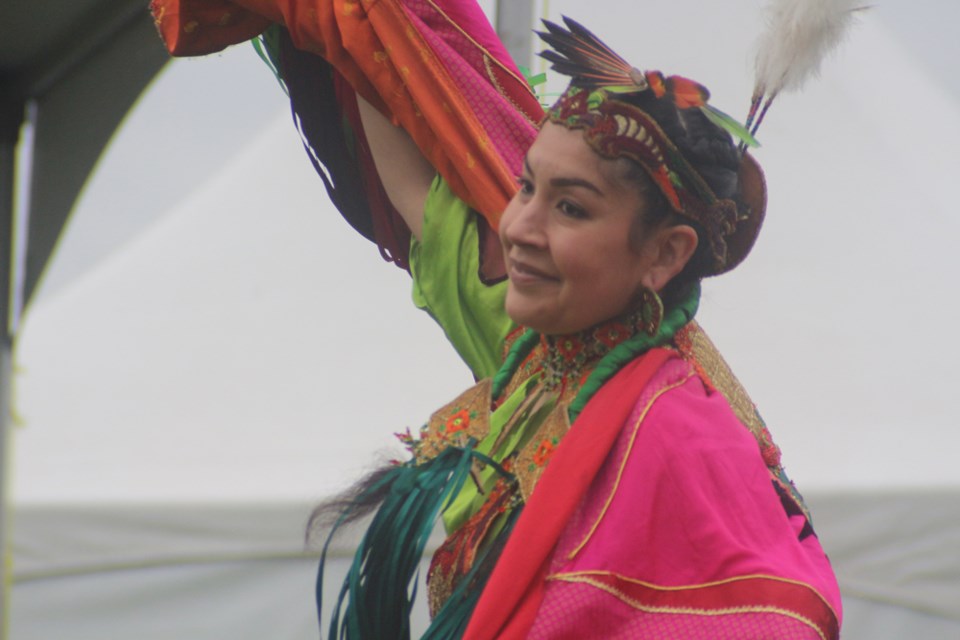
(617,128)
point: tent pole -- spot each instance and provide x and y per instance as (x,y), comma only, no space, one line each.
(6,373)
(11,118)
(514,26)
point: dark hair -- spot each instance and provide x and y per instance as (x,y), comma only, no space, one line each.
(354,503)
(715,157)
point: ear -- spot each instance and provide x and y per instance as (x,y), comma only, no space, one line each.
(672,247)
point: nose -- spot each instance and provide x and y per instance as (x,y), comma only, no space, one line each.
(523,223)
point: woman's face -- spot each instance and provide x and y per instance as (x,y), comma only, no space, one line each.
(566,238)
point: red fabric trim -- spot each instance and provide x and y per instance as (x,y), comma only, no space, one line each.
(196,29)
(794,598)
(509,603)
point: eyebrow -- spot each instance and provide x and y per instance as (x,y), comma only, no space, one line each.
(567,182)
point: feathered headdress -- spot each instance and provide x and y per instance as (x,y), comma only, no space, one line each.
(799,35)
(613,103)
(591,65)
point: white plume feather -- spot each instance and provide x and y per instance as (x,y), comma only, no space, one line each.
(799,35)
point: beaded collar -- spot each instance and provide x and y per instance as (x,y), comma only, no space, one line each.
(574,366)
(568,359)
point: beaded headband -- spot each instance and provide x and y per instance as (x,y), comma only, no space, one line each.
(596,103)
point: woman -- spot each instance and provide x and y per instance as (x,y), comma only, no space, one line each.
(604,478)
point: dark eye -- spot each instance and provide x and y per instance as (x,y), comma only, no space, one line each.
(526,187)
(571,210)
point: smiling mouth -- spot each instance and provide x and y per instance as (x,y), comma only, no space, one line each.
(525,274)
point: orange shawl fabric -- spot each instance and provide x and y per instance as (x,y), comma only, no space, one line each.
(377,47)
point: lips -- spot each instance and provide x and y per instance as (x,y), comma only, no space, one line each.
(524,273)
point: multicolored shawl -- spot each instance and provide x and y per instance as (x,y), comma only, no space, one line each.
(435,67)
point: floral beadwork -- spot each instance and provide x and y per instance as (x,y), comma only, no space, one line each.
(568,359)
(455,424)
(544,450)
(535,456)
(459,421)
(563,363)
(612,333)
(569,347)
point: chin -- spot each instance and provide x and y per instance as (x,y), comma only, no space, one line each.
(539,320)
(527,313)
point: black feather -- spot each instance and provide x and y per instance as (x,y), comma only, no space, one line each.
(576,52)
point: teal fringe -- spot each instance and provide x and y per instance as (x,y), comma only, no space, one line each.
(377,595)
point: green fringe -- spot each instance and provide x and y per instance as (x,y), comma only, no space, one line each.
(518,351)
(267,46)
(452,619)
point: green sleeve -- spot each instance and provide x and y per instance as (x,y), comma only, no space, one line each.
(446,282)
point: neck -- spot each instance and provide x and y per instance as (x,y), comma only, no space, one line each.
(568,357)
(594,355)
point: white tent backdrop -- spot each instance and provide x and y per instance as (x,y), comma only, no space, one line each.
(186,397)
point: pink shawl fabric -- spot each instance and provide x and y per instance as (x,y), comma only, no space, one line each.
(680,534)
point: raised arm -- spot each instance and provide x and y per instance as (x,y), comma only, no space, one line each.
(405,173)
(437,68)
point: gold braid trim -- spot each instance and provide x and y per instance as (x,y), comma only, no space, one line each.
(623,461)
(697,348)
